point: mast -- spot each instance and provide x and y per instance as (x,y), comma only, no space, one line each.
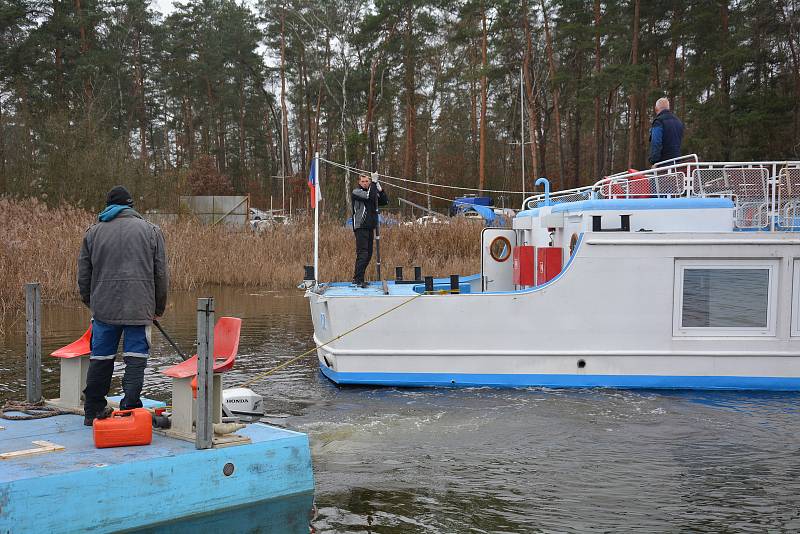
(522,129)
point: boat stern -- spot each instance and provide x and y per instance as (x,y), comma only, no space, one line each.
(320,317)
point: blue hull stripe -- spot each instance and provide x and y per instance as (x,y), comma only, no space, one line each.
(762,383)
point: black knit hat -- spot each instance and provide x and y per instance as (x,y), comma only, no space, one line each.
(119,195)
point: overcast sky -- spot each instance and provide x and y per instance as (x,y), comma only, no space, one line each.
(166,6)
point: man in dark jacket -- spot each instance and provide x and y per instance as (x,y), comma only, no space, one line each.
(123,279)
(666,134)
(366,198)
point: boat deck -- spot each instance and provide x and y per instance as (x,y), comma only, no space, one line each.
(275,464)
(346,289)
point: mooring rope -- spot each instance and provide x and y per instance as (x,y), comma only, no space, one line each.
(32,410)
(277,368)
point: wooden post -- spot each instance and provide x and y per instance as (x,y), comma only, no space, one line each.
(205,373)
(33,342)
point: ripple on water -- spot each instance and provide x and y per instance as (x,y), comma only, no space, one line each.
(493,460)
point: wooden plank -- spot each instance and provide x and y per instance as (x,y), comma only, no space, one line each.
(42,447)
(205,373)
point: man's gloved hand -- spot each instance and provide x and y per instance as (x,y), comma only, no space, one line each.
(374,177)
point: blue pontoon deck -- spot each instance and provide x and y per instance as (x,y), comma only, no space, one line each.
(79,488)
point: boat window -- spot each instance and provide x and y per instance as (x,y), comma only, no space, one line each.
(500,249)
(725,298)
(730,298)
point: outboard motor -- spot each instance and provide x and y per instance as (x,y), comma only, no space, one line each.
(243,401)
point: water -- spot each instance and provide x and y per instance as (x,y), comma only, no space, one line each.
(483,460)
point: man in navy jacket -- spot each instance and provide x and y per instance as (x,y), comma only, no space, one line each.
(666,134)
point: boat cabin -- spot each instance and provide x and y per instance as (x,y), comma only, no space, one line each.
(682,197)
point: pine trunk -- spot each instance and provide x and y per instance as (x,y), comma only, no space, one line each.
(140,111)
(285,152)
(633,97)
(84,48)
(410,161)
(673,53)
(529,93)
(578,124)
(599,136)
(3,185)
(301,121)
(242,163)
(484,83)
(189,130)
(791,39)
(556,107)
(725,85)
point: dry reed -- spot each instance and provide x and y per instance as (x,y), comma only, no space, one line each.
(41,244)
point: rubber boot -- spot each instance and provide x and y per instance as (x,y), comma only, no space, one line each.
(98,382)
(132,382)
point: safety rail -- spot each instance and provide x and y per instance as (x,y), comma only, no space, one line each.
(766,194)
(788,198)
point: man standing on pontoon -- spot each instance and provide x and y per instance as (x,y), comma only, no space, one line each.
(366,198)
(666,134)
(123,279)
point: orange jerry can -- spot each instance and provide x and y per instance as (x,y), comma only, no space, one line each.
(124,428)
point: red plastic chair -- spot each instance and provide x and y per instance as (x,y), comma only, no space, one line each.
(226,345)
(78,348)
(637,187)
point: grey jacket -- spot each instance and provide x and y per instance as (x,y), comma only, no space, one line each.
(365,206)
(122,270)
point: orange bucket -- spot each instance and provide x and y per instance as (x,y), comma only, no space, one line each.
(124,428)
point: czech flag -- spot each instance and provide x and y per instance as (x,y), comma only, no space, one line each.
(313,185)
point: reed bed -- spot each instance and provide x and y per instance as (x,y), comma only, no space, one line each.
(40,243)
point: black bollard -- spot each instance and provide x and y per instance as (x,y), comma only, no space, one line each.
(455,287)
(428,284)
(417,273)
(398,274)
(309,272)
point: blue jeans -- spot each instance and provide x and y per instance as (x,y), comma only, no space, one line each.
(104,344)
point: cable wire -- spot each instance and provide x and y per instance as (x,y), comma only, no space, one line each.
(362,171)
(386,181)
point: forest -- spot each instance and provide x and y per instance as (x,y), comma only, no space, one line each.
(224,97)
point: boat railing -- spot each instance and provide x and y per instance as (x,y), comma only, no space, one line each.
(766,194)
(788,198)
(558,197)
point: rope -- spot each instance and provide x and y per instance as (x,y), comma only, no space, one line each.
(427,184)
(32,410)
(414,191)
(277,368)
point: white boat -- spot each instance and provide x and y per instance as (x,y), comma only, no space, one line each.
(683,276)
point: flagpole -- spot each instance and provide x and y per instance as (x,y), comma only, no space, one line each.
(316,218)
(522,125)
